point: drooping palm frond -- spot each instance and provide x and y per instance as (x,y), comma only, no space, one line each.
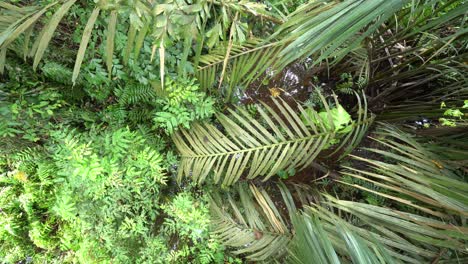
(27,23)
(427,105)
(399,84)
(451,146)
(421,46)
(325,238)
(175,20)
(16,20)
(323,28)
(416,177)
(253,223)
(425,20)
(409,237)
(261,145)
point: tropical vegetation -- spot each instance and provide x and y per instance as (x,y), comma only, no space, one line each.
(233,131)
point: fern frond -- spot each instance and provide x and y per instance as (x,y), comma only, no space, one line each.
(135,93)
(139,115)
(280,140)
(57,73)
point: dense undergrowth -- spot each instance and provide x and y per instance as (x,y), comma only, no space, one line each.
(233,131)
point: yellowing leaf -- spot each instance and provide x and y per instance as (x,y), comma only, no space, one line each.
(21,176)
(275,92)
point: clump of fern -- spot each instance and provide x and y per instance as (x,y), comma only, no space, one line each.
(135,93)
(57,73)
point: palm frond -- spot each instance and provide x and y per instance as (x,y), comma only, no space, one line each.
(84,43)
(246,63)
(326,238)
(323,28)
(451,146)
(426,105)
(410,235)
(16,20)
(318,27)
(416,177)
(254,224)
(48,31)
(429,46)
(261,145)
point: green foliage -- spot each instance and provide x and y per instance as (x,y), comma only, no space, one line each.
(454,115)
(117,107)
(182,104)
(314,241)
(116,172)
(95,190)
(188,223)
(27,115)
(99,189)
(132,94)
(341,119)
(286,174)
(347,84)
(27,194)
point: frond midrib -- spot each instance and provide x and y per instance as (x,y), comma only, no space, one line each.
(261,147)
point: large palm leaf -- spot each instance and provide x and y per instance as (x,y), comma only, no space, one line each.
(253,222)
(261,222)
(27,23)
(323,28)
(325,238)
(245,63)
(422,45)
(419,237)
(318,28)
(415,173)
(261,145)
